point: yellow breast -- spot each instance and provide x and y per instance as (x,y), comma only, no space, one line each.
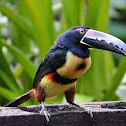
(52,88)
(69,69)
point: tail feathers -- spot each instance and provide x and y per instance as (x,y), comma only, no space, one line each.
(19,100)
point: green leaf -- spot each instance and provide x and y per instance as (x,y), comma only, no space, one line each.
(82,11)
(9,82)
(18,71)
(5,93)
(4,66)
(92,13)
(16,19)
(71,11)
(42,20)
(24,61)
(116,80)
(102,17)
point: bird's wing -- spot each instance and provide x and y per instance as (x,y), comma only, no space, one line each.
(53,60)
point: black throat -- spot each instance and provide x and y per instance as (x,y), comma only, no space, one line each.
(80,51)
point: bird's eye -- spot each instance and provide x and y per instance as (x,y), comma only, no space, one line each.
(82,31)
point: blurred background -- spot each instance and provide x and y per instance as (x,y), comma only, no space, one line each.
(28,28)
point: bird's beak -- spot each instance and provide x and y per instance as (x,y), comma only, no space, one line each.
(100,40)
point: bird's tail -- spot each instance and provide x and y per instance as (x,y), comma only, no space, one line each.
(21,99)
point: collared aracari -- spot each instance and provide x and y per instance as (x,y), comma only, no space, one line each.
(65,62)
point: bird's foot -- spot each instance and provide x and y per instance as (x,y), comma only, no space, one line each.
(84,109)
(87,111)
(46,113)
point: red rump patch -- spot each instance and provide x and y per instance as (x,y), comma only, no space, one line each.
(31,93)
(55,42)
(30,90)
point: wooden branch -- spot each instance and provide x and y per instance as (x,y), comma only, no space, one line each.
(104,114)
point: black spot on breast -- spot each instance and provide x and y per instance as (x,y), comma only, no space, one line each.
(81,66)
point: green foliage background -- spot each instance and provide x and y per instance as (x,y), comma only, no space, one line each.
(33,26)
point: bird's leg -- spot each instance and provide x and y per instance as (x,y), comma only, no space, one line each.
(70,94)
(40,95)
(44,110)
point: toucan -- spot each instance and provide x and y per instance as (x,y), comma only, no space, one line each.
(65,62)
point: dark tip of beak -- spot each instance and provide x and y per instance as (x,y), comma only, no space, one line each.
(103,45)
(100,40)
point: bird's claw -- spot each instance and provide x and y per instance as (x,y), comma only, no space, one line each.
(85,110)
(88,112)
(45,112)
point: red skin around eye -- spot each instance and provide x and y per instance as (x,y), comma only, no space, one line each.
(78,29)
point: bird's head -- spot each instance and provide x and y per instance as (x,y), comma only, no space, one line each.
(81,38)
